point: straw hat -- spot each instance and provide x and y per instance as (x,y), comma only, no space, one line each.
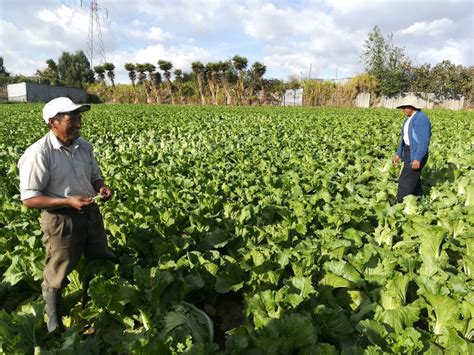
(409,101)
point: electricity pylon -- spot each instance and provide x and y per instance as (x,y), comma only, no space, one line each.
(95,41)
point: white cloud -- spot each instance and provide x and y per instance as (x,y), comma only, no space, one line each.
(287,36)
(197,16)
(430,28)
(181,57)
(154,34)
(157,34)
(69,19)
(296,38)
(16,59)
(289,64)
(9,34)
(458,52)
(269,23)
(351,6)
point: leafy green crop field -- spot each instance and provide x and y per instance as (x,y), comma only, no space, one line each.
(279,223)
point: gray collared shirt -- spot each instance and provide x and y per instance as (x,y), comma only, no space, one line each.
(48,168)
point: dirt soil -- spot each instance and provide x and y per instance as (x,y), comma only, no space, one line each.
(227,313)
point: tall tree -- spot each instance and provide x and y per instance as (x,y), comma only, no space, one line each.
(212,71)
(240,64)
(53,69)
(150,69)
(468,90)
(4,75)
(109,67)
(156,78)
(100,71)
(49,75)
(166,67)
(74,69)
(149,85)
(374,53)
(227,77)
(386,62)
(141,69)
(198,69)
(178,80)
(156,81)
(130,67)
(394,82)
(275,88)
(449,80)
(420,79)
(258,71)
(3,70)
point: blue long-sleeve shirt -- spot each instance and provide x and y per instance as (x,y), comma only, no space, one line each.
(419,133)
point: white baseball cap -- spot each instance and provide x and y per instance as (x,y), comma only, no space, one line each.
(61,105)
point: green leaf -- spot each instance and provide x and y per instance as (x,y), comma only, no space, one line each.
(375,332)
(346,270)
(264,306)
(231,279)
(18,331)
(393,296)
(333,324)
(470,195)
(186,319)
(444,309)
(335,281)
(400,318)
(298,289)
(288,334)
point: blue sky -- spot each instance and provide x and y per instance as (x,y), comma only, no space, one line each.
(289,37)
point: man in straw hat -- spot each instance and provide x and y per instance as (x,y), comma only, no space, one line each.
(413,149)
(60,175)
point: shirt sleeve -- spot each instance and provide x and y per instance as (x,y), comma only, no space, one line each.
(34,173)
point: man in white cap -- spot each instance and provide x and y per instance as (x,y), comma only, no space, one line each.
(60,175)
(413,149)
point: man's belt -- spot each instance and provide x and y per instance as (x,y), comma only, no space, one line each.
(71,211)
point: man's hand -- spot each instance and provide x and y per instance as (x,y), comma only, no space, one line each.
(415,164)
(78,202)
(106,193)
(396,160)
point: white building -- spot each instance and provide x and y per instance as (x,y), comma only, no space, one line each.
(29,92)
(292,97)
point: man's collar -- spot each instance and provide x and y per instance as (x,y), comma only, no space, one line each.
(57,144)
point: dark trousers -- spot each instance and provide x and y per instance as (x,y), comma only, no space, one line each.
(409,181)
(69,234)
